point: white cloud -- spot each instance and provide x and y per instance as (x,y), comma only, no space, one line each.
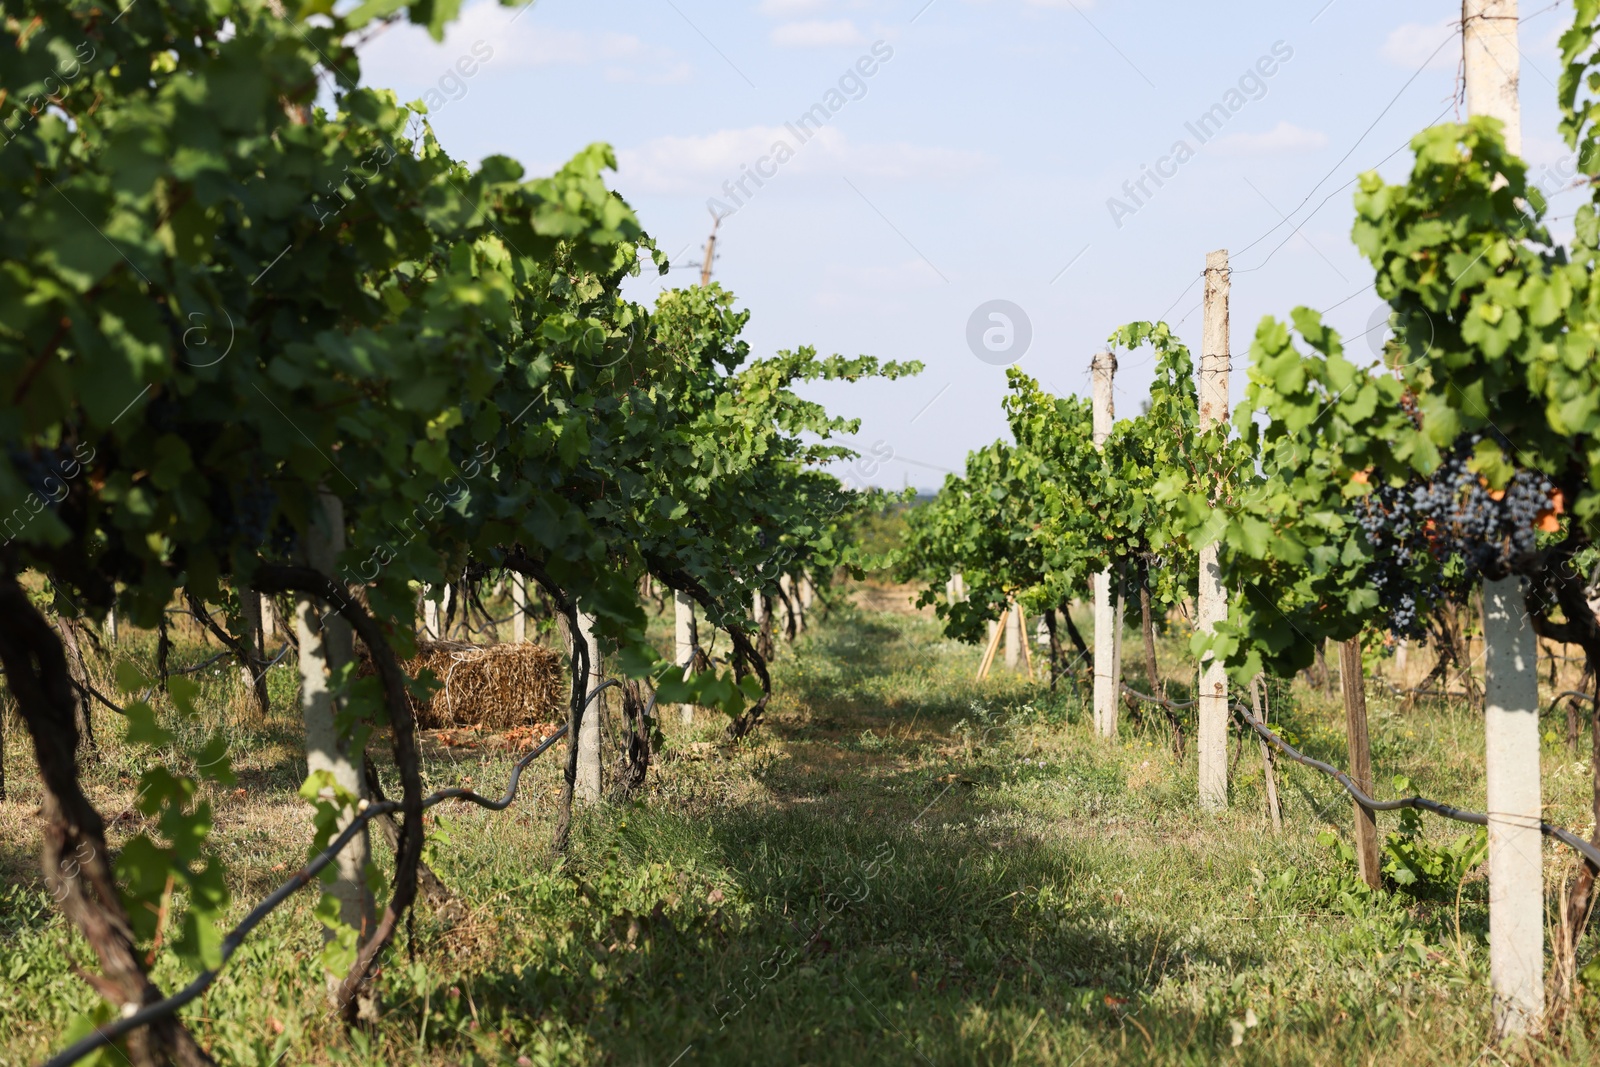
(699,165)
(405,56)
(1410,45)
(817,34)
(1283,138)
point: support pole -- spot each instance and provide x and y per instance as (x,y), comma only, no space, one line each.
(1491,67)
(1269,775)
(250,615)
(430,615)
(1493,64)
(1013,636)
(1516,850)
(1116,650)
(788,605)
(254,643)
(1022,630)
(519,602)
(684,644)
(326,645)
(1353,682)
(1212,608)
(1106,633)
(791,589)
(989,650)
(587,786)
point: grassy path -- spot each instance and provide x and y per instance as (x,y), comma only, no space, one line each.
(901,867)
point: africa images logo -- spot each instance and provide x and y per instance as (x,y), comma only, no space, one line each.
(1252,85)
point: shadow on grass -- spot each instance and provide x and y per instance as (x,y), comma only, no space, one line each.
(847,936)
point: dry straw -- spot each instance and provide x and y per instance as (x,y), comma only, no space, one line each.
(495,687)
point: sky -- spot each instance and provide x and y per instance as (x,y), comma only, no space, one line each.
(916,161)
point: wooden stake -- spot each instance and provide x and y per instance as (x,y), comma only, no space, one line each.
(1257,694)
(1116,642)
(711,251)
(1212,743)
(1353,683)
(989,651)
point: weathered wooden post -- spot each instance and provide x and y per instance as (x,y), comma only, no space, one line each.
(254,643)
(1258,688)
(1353,683)
(1212,607)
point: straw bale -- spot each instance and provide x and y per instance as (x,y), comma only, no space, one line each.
(495,687)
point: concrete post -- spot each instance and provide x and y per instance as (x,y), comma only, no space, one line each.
(587,786)
(1212,602)
(1107,633)
(326,645)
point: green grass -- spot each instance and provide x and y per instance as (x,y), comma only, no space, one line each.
(900,867)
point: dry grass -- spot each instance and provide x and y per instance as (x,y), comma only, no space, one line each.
(496,687)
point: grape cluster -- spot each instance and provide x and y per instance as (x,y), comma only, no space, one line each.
(45,470)
(253,508)
(1494,533)
(1401,569)
(1417,528)
(246,509)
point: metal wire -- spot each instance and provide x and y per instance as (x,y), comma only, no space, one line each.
(1448,811)
(301,878)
